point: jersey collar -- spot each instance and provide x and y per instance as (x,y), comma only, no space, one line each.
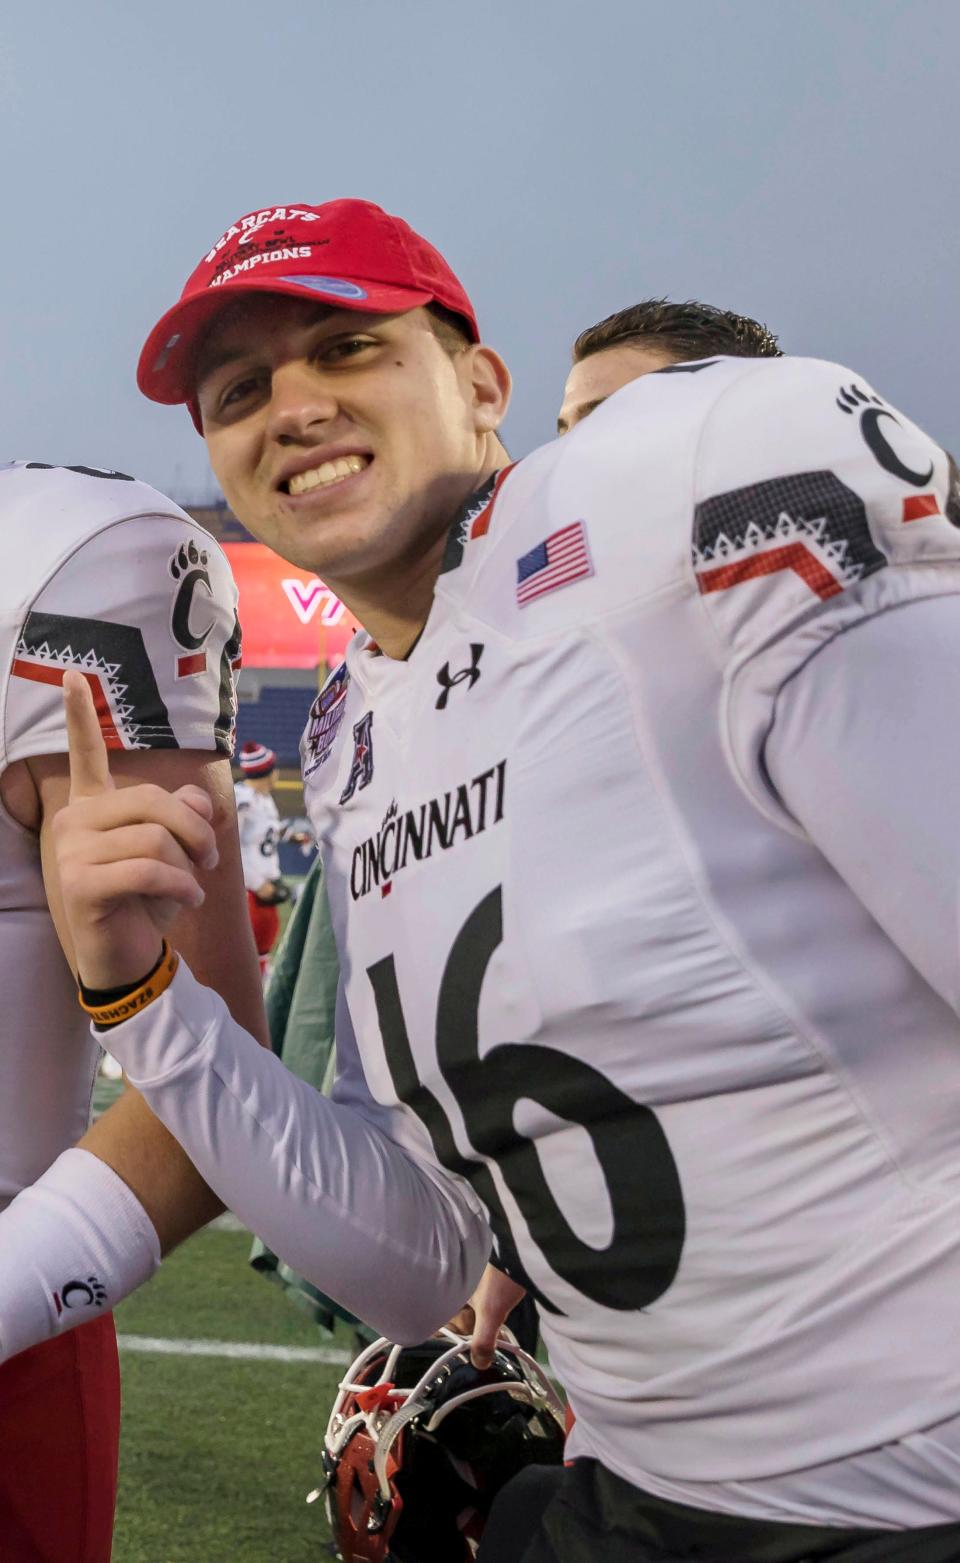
(472,520)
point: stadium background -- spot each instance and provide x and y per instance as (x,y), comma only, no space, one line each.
(294,632)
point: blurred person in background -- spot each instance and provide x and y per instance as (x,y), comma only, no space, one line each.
(649,336)
(258,819)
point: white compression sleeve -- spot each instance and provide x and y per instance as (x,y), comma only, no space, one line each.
(344,1191)
(865,753)
(71,1246)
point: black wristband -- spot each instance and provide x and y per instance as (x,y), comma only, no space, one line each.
(97,998)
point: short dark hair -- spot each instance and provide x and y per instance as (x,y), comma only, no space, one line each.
(687,331)
(450,330)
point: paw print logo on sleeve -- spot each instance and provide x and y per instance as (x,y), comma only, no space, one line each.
(875,417)
(189,568)
(77,1294)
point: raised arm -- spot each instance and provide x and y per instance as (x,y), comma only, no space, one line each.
(214,937)
(346,1190)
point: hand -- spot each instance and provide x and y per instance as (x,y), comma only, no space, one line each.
(484,1316)
(126,857)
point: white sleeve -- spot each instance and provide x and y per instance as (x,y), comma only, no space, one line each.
(864,752)
(344,1189)
(819,507)
(145,607)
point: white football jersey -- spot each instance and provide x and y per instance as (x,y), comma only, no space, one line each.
(710,1104)
(100,573)
(258,819)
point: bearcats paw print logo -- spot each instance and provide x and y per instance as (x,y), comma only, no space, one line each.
(90,1293)
(851,399)
(187,557)
(189,567)
(872,411)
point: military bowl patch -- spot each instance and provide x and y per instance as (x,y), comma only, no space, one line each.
(323,723)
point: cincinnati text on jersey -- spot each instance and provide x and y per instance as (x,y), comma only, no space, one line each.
(463,812)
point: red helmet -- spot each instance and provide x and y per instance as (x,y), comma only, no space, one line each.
(419,1443)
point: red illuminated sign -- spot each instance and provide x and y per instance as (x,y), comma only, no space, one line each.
(290,618)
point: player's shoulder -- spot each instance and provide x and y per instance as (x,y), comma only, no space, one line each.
(50,513)
(764,486)
(101,572)
(809,484)
(601,517)
(76,497)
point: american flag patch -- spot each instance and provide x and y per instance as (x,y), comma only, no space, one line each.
(561,558)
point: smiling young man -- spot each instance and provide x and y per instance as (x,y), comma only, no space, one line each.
(373,502)
(705,1090)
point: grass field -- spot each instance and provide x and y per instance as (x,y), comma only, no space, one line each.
(217,1454)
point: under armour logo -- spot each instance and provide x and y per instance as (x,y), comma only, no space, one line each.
(447,680)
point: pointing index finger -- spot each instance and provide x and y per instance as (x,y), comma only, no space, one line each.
(89,765)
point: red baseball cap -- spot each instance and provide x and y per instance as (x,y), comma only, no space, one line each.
(349,254)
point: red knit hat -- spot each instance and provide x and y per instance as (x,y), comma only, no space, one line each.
(256,760)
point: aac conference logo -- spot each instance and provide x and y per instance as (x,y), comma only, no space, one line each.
(307,598)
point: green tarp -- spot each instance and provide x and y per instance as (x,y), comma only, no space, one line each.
(301,1001)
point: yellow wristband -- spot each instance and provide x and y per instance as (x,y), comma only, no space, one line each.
(132,1003)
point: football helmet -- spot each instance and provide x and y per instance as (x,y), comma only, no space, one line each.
(420,1441)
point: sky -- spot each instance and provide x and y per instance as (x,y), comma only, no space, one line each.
(795,160)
